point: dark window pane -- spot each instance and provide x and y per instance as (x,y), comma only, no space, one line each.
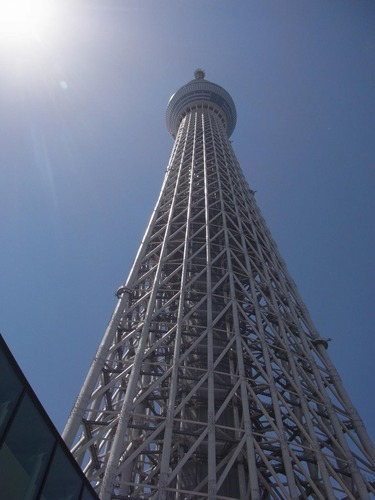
(10,390)
(25,453)
(63,481)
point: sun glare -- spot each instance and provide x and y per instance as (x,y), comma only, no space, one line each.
(23,19)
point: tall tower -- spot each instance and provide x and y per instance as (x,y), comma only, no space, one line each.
(211,381)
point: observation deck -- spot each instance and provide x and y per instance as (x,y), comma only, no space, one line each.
(200,92)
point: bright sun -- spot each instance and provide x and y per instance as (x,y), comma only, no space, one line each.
(23,19)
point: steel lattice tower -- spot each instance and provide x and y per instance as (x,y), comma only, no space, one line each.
(211,380)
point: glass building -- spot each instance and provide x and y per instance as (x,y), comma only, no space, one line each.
(34,461)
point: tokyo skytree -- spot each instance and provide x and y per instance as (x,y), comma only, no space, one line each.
(211,381)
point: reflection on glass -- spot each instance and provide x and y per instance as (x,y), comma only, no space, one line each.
(10,390)
(25,453)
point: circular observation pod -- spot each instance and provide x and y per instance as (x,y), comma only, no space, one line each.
(200,92)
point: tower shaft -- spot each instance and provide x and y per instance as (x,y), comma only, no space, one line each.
(211,380)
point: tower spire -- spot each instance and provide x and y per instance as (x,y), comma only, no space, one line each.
(199,74)
(211,380)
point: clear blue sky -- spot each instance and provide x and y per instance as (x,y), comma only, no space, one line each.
(84,147)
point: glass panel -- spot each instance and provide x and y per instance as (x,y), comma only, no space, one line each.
(10,390)
(63,481)
(25,453)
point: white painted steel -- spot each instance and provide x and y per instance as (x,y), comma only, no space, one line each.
(211,381)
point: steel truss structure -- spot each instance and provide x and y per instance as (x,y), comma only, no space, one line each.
(211,381)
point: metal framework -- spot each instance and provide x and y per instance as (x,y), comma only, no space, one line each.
(211,380)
